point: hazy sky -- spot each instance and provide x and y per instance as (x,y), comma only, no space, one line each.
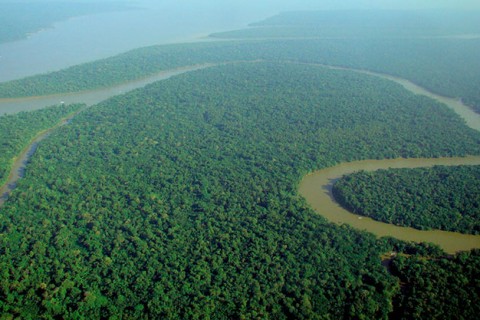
(364,4)
(266,8)
(283,5)
(387,4)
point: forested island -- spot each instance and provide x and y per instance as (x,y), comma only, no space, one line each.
(179,200)
(438,65)
(445,198)
(349,24)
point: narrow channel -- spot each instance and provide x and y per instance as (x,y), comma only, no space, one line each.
(90,98)
(18,169)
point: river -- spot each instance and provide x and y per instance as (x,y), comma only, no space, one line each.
(316,187)
(88,97)
(18,169)
(14,105)
(96,36)
(472,119)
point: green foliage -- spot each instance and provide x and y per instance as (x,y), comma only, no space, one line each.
(440,288)
(179,200)
(449,67)
(18,130)
(446,198)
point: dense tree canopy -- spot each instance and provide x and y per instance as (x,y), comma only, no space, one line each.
(438,288)
(179,200)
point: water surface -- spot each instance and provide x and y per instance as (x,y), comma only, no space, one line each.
(96,36)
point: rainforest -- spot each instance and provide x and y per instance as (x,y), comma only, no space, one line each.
(180,199)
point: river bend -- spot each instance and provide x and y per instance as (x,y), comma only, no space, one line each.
(316,187)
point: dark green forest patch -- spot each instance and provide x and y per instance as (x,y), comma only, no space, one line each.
(438,288)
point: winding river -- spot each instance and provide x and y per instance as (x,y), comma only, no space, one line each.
(88,97)
(315,187)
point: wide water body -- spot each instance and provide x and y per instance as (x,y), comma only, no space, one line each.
(97,36)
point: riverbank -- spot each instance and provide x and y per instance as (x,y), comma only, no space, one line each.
(472,119)
(98,36)
(89,98)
